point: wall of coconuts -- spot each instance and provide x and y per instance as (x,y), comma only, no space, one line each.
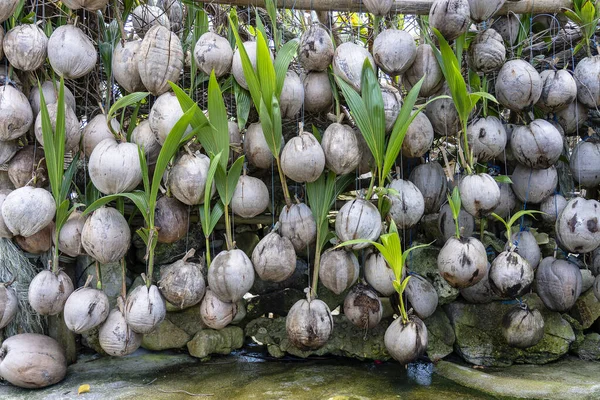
(171,168)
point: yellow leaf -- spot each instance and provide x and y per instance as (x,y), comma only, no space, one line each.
(83,389)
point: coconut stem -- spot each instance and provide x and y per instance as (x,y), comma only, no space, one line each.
(403,313)
(207,244)
(284,186)
(317,265)
(228,235)
(55,253)
(371,185)
(123,283)
(120,23)
(99,277)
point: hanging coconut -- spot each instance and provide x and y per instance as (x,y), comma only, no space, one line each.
(425,66)
(9,304)
(318,97)
(175,12)
(348,62)
(392,101)
(481,292)
(302,158)
(39,242)
(394,51)
(171,219)
(572,118)
(116,337)
(71,52)
(309,324)
(187,178)
(85,309)
(213,52)
(17,207)
(182,282)
(450,17)
(537,145)
(164,114)
(48,292)
(510,275)
(145,309)
(146,16)
(362,307)
(480,194)
(406,341)
(28,167)
(292,96)
(447,226)
(487,138)
(508,201)
(16,116)
(8,8)
(236,66)
(338,270)
(235,140)
(90,5)
(378,7)
(341,149)
(25,47)
(586,76)
(408,204)
(482,10)
(315,52)
(422,296)
(532,186)
(431,181)
(522,327)
(231,275)
(298,224)
(552,206)
(125,66)
(72,126)
(418,138)
(256,148)
(518,85)
(577,227)
(215,313)
(115,167)
(4,231)
(106,235)
(250,198)
(526,246)
(462,262)
(8,150)
(143,136)
(378,274)
(584,163)
(367,161)
(559,89)
(50,92)
(487,52)
(443,115)
(558,283)
(508,26)
(358,219)
(160,59)
(96,131)
(1,40)
(274,258)
(69,238)
(32,361)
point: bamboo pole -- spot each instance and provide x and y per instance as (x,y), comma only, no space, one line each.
(414,7)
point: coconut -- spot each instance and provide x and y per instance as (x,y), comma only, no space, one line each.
(362,307)
(25,47)
(160,59)
(584,163)
(450,17)
(235,140)
(187,178)
(338,270)
(558,283)
(425,65)
(32,361)
(394,51)
(586,76)
(9,304)
(7,8)
(508,27)
(309,324)
(182,282)
(443,115)
(532,186)
(96,131)
(71,52)
(318,96)
(341,148)
(572,118)
(16,116)
(250,198)
(558,91)
(125,67)
(231,275)
(406,341)
(90,5)
(462,262)
(378,274)
(28,167)
(348,62)
(487,138)
(146,16)
(597,287)
(39,242)
(164,114)
(316,49)
(215,313)
(8,150)
(487,52)
(85,309)
(115,167)
(367,161)
(298,224)
(171,219)
(116,337)
(508,200)
(422,296)
(552,206)
(577,229)
(481,292)
(213,53)
(418,138)
(175,12)
(358,219)
(510,275)
(518,85)
(482,10)
(526,246)
(538,145)
(106,236)
(17,207)
(392,101)
(72,126)
(1,40)
(431,181)
(145,309)
(4,231)
(447,226)
(50,92)
(292,96)
(256,147)
(480,194)
(69,238)
(236,66)
(274,257)
(48,292)
(378,7)
(408,204)
(143,136)
(302,158)
(522,327)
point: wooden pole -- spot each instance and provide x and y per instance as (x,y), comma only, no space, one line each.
(414,7)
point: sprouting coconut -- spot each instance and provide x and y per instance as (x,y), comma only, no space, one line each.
(16,116)
(298,224)
(522,327)
(508,27)
(115,167)
(106,235)
(309,324)
(431,181)
(418,138)
(96,131)
(17,210)
(338,270)
(215,313)
(572,118)
(510,275)
(508,200)
(28,168)
(165,113)
(341,148)
(482,10)
(7,8)
(558,283)
(256,147)
(558,91)
(584,163)
(318,96)
(8,150)
(348,62)
(72,131)
(406,341)
(480,194)
(392,101)
(4,231)
(586,76)
(518,85)
(487,52)
(450,17)
(378,274)
(71,52)
(378,7)
(394,51)
(487,138)
(362,307)
(534,185)
(274,257)
(25,47)
(358,219)
(481,292)
(125,67)
(537,145)
(146,16)
(85,309)
(577,226)
(425,65)
(316,49)
(145,309)
(115,336)
(408,205)
(213,52)
(250,198)
(48,292)
(182,282)
(171,219)
(69,238)
(32,361)
(9,303)
(292,96)
(302,158)
(422,296)
(50,92)
(447,225)
(160,59)
(143,136)
(462,262)
(39,242)
(526,246)
(187,178)
(443,115)
(552,206)
(231,275)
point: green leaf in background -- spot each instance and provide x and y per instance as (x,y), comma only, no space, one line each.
(199,120)
(242,104)
(285,55)
(138,198)
(124,102)
(218,118)
(373,100)
(265,70)
(503,179)
(271,6)
(227,181)
(249,73)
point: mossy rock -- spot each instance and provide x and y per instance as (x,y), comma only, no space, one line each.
(424,262)
(586,309)
(188,320)
(441,335)
(210,341)
(166,336)
(589,348)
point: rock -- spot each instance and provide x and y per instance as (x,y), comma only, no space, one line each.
(112,280)
(424,262)
(479,337)
(57,329)
(586,309)
(90,340)
(188,320)
(589,349)
(441,335)
(210,341)
(587,280)
(166,253)
(246,241)
(166,336)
